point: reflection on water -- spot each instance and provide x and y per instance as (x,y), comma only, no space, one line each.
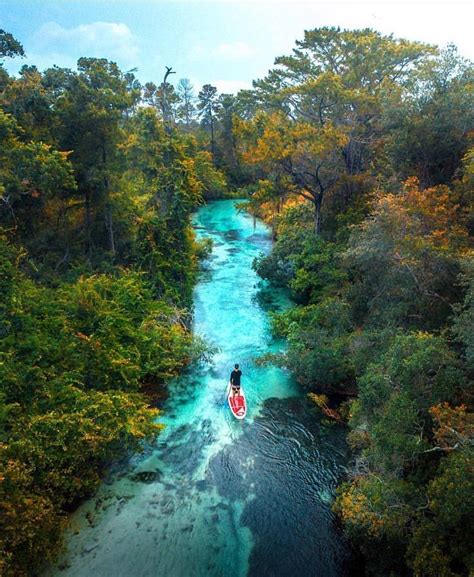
(214,496)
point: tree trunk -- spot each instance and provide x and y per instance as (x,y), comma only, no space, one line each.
(167,119)
(317,214)
(353,160)
(88,224)
(109,224)
(211,118)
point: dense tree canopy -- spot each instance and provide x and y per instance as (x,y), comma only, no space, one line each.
(365,140)
(97,266)
(357,149)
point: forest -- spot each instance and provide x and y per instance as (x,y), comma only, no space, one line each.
(357,151)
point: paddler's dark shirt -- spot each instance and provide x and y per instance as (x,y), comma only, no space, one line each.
(235,377)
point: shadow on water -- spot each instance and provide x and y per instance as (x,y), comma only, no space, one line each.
(212,496)
(291,484)
(270,300)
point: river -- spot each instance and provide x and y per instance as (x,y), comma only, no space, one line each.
(213,496)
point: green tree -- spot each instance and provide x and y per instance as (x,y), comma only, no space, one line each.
(91,112)
(207,106)
(186,109)
(409,246)
(428,127)
(9,46)
(35,181)
(464,321)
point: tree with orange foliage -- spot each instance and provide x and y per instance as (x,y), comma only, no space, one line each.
(306,154)
(324,105)
(409,246)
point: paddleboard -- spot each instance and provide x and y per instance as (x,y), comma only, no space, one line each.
(237,403)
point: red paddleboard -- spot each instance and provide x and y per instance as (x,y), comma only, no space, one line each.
(237,403)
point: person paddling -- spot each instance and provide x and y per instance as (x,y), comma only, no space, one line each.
(235,379)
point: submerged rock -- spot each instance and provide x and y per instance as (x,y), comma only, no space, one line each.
(187,528)
(89,547)
(146,476)
(202,485)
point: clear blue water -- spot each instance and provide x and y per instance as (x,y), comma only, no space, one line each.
(213,496)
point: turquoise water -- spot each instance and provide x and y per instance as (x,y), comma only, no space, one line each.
(213,496)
